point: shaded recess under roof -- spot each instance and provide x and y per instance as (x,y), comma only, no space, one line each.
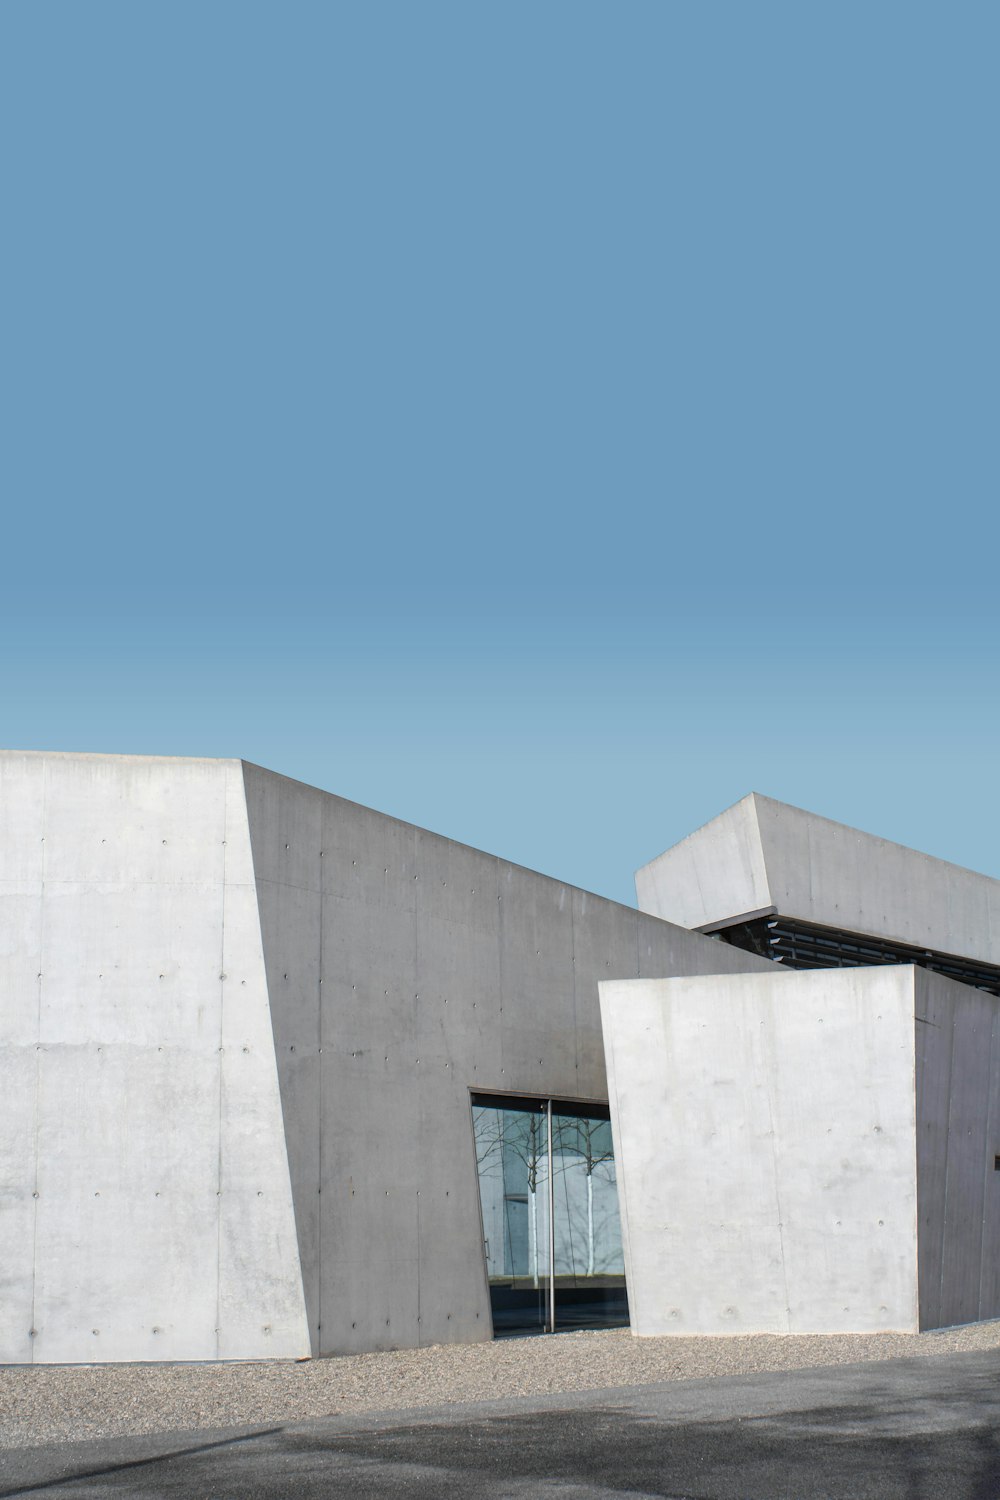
(802,945)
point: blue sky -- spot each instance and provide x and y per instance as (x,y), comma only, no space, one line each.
(544,423)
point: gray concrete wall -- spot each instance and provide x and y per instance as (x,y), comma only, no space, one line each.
(404,971)
(145,1203)
(764,854)
(958,1139)
(764,1141)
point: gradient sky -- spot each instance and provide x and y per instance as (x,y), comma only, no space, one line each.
(546,423)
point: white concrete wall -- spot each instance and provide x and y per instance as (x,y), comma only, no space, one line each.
(145,1203)
(714,874)
(764,1140)
(763,854)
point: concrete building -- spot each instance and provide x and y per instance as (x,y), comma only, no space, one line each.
(283,1076)
(244,1029)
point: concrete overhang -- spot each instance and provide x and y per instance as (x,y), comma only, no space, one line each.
(762,856)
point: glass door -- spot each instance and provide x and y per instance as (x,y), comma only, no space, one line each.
(512,1157)
(589,1263)
(549,1202)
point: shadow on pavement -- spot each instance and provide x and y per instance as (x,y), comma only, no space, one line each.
(136,1463)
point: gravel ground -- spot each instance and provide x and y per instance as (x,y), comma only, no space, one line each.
(58,1403)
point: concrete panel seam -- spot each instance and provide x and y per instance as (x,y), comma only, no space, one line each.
(947,1158)
(291,885)
(770,1070)
(38,1079)
(222,1034)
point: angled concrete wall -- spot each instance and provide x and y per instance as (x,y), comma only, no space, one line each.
(145,1204)
(404,971)
(763,855)
(806,1152)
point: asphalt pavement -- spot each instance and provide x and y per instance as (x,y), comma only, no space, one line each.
(916,1429)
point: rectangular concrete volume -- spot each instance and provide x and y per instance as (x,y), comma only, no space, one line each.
(806,1152)
(763,856)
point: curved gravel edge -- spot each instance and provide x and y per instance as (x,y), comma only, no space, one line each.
(62,1403)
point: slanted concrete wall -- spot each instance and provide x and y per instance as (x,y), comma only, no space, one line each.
(958,1140)
(764,1129)
(404,971)
(145,1204)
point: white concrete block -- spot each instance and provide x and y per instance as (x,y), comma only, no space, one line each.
(764,1136)
(775,1134)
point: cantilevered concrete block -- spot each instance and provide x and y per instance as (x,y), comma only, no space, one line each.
(806,1152)
(762,856)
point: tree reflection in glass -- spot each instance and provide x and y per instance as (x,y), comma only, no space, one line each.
(517,1198)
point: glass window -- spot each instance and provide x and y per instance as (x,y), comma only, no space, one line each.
(551,1232)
